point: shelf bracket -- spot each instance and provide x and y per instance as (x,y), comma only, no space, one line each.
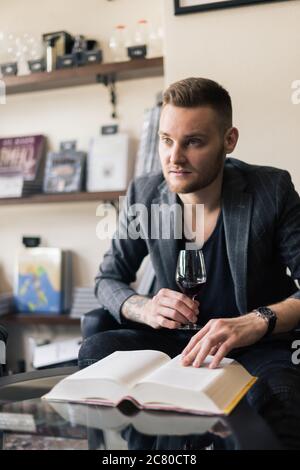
(109,81)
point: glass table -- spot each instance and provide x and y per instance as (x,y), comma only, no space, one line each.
(29,422)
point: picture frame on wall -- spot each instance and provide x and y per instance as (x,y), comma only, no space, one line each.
(192,6)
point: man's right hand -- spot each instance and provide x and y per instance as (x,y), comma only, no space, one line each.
(167,309)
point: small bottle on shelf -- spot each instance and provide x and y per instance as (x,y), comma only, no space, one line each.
(118,43)
(141,34)
(155,42)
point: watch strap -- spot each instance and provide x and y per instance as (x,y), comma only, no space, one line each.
(267,314)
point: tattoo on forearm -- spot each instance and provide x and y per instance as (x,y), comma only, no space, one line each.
(132,307)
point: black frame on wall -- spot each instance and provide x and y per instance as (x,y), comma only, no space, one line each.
(181,10)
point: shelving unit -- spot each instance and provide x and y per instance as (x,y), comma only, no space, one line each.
(39,319)
(71,197)
(59,79)
(86,75)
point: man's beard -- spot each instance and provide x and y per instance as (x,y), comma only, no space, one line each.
(204,178)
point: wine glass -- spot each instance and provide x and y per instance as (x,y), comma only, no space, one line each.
(191,276)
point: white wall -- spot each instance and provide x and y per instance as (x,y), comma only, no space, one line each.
(67,114)
(254,52)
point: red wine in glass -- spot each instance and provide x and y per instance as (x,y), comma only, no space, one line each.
(191,275)
(190,288)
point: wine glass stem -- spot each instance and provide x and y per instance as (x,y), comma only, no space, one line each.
(194,297)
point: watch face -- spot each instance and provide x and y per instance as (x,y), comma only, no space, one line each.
(266,312)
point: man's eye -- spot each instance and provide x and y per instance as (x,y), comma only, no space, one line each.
(166,140)
(195,142)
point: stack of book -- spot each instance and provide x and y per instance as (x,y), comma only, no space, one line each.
(148,157)
(84,301)
(6,303)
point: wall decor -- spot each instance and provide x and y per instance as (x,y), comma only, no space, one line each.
(193,6)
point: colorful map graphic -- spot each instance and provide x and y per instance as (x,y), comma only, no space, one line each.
(39,283)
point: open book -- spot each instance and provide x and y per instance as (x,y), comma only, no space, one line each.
(151,380)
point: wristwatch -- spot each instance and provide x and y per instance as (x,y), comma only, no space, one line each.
(267,314)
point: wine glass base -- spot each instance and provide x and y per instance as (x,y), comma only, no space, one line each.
(190,326)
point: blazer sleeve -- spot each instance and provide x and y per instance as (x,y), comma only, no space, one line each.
(288,227)
(120,263)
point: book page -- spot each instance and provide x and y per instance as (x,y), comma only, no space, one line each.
(175,386)
(123,367)
(176,375)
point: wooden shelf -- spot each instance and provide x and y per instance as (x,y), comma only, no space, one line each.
(86,75)
(70,197)
(39,319)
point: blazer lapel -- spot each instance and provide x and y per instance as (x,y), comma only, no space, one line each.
(237,208)
(168,247)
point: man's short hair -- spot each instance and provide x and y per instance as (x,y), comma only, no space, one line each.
(194,92)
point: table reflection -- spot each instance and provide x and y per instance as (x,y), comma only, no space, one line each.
(37,424)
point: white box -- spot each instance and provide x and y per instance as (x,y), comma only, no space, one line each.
(56,352)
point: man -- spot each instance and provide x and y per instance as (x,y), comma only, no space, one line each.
(251,236)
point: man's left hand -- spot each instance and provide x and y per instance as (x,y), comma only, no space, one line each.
(219,336)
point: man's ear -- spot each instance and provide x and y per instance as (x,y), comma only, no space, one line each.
(231,138)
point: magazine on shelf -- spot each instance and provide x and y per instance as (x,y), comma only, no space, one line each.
(152,380)
(64,172)
(147,155)
(109,164)
(43,280)
(24,154)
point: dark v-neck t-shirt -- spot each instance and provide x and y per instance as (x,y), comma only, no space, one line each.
(217,298)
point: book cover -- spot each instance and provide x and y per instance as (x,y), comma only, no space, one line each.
(24,154)
(109,166)
(147,155)
(38,286)
(64,172)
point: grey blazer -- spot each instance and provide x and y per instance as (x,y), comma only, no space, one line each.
(261,212)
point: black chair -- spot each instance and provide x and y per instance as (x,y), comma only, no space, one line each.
(3,341)
(96,321)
